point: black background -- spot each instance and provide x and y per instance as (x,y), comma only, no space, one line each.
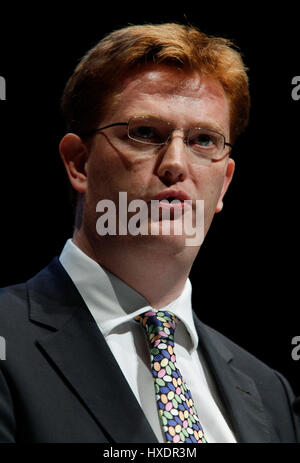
(245,279)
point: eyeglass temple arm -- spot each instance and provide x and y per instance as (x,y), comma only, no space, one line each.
(92,132)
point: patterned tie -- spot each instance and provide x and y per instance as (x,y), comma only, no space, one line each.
(177,412)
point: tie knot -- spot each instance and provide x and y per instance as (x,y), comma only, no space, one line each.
(159,326)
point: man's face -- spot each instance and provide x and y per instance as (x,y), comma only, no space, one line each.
(184,100)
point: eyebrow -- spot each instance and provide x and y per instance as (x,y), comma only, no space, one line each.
(210,125)
(204,125)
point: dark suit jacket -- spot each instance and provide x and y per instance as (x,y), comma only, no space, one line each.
(61,383)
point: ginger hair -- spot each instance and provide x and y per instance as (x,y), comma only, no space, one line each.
(90,91)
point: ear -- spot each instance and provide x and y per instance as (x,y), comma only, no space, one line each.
(74,154)
(228,177)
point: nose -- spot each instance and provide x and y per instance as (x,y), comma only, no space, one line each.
(172,162)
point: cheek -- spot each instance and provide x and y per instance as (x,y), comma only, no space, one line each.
(209,179)
(116,174)
(138,177)
(209,186)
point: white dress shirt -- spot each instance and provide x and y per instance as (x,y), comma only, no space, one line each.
(113,304)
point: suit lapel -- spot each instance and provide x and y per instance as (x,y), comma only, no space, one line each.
(238,391)
(80,352)
(78,349)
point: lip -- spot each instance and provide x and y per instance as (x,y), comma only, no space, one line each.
(175,208)
(176,194)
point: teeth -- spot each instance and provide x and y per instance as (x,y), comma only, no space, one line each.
(172,198)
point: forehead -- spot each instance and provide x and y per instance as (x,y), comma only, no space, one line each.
(173,93)
(161,78)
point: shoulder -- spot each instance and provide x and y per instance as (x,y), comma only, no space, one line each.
(239,367)
(13,299)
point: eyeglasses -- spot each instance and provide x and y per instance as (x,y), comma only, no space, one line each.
(144,133)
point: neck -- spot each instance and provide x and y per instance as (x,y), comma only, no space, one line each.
(156,269)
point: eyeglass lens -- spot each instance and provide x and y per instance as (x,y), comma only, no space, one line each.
(153,131)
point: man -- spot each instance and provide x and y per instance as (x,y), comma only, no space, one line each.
(152,112)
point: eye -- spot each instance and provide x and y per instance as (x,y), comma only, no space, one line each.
(204,140)
(148,130)
(146,134)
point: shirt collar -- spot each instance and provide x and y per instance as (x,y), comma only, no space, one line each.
(111,301)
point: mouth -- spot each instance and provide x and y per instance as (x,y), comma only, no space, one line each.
(172,203)
(171,195)
(170,199)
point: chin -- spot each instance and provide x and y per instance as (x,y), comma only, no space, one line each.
(168,236)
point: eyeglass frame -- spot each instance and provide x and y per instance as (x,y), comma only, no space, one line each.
(95,131)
